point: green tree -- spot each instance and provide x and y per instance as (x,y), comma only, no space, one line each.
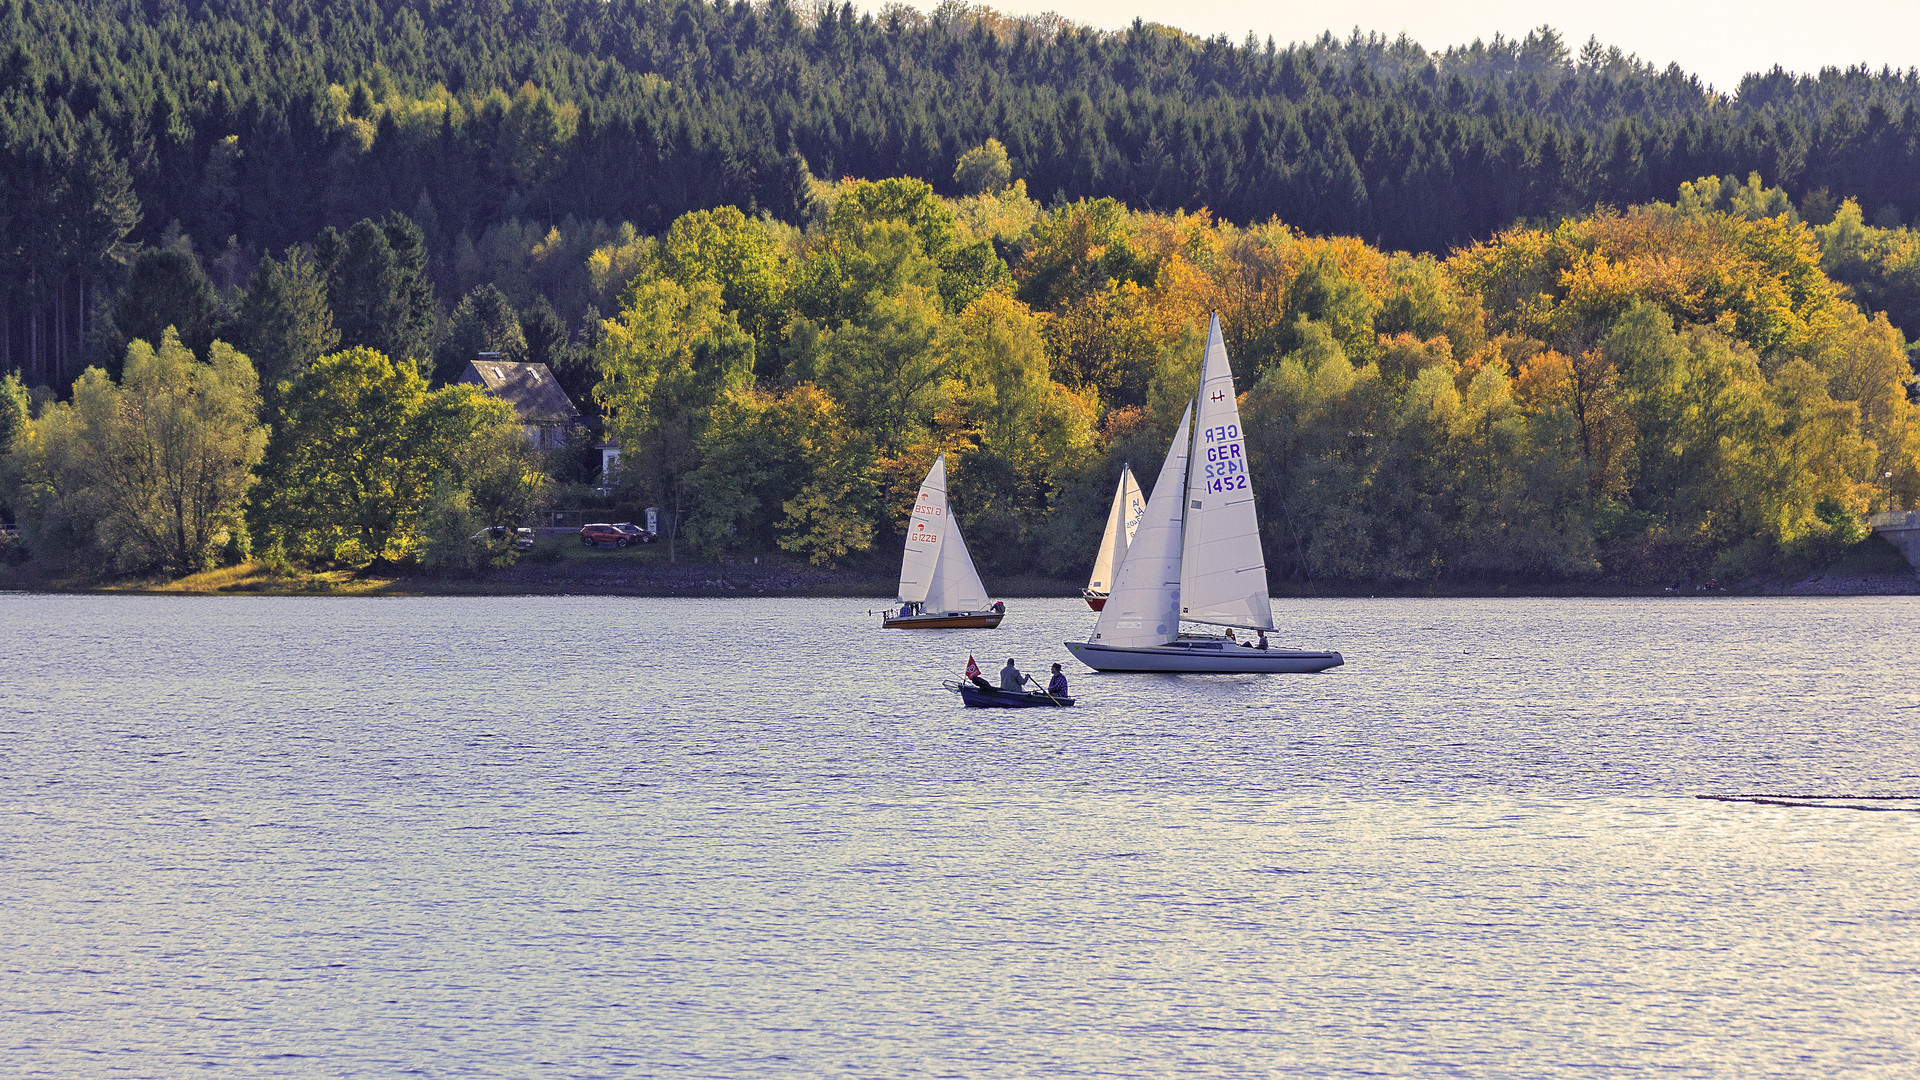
(15,411)
(1001,357)
(1079,250)
(843,279)
(490,478)
(484,322)
(149,474)
(888,369)
(1325,293)
(984,169)
(447,528)
(665,363)
(356,449)
(165,287)
(378,288)
(724,247)
(494,462)
(832,515)
(284,322)
(758,453)
(52,475)
(188,439)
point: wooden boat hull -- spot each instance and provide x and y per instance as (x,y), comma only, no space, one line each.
(1202,657)
(1095,600)
(976,698)
(945,620)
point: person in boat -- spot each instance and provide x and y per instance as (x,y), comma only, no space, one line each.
(1057,686)
(1263,640)
(1230,636)
(1010,677)
(999,608)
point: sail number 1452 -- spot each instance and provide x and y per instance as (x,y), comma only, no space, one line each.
(1226,460)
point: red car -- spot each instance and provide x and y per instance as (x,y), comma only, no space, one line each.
(602,533)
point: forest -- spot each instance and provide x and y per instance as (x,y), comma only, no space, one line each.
(1676,390)
(251,125)
(1504,312)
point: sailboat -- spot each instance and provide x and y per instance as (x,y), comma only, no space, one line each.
(1122,521)
(1196,557)
(939,588)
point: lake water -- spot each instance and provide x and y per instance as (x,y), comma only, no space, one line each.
(583,837)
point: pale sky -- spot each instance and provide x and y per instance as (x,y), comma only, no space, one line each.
(1717,42)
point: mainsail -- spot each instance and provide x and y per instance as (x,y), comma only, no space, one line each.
(1144,606)
(956,584)
(1223,574)
(1123,520)
(925,527)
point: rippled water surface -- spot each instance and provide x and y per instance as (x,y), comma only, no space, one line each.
(576,837)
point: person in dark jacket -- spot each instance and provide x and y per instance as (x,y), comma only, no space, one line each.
(1057,686)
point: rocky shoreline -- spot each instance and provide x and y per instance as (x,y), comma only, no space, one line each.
(1848,583)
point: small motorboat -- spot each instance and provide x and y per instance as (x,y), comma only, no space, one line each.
(977,697)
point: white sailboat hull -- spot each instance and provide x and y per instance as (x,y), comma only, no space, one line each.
(1204,656)
(944,620)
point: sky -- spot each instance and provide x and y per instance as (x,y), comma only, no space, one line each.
(1717,42)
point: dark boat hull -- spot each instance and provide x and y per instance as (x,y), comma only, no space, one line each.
(976,698)
(1095,600)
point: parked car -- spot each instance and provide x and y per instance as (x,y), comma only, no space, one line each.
(522,538)
(635,533)
(601,532)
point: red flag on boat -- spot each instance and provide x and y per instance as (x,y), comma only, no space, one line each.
(973,669)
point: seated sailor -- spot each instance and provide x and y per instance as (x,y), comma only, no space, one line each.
(1010,677)
(1057,686)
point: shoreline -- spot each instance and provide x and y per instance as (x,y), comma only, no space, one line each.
(658,578)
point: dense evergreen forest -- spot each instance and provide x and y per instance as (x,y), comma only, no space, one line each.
(250,125)
(1501,313)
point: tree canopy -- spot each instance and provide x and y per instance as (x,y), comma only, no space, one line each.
(253,125)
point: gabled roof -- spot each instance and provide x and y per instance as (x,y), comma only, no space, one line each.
(536,398)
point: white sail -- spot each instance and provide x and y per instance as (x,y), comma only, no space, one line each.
(1143,607)
(925,527)
(1223,574)
(1123,520)
(956,584)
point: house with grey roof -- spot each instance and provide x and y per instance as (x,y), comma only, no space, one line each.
(537,399)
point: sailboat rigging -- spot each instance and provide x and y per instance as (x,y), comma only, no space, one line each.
(1196,557)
